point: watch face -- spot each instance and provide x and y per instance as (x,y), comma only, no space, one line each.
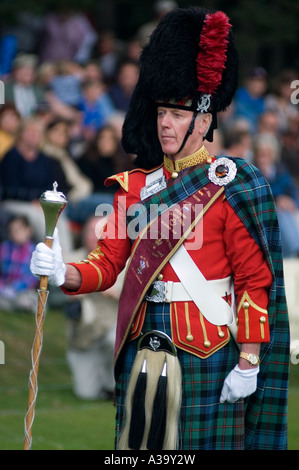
(253,359)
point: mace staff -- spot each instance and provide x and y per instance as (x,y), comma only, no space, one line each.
(52,203)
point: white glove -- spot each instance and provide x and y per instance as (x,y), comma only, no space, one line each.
(239,383)
(47,261)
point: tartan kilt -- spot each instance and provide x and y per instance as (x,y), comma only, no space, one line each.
(205,423)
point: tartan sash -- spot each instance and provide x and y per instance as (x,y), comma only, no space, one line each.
(251,198)
(164,228)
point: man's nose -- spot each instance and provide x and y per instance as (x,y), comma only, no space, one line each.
(165,121)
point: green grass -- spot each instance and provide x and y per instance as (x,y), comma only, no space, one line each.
(62,421)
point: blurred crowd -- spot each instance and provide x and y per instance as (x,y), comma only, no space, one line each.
(63,113)
(67,90)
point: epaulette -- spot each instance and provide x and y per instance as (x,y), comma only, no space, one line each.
(123,178)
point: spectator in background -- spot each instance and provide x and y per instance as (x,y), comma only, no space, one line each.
(45,73)
(61,83)
(67,35)
(77,144)
(91,321)
(9,123)
(96,107)
(17,285)
(238,140)
(92,71)
(55,146)
(109,49)
(22,89)
(126,80)
(267,159)
(290,148)
(66,83)
(102,159)
(26,173)
(133,50)
(268,123)
(280,100)
(249,102)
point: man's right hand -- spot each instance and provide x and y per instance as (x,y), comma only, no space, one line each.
(47,261)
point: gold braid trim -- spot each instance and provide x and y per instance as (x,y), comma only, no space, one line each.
(200,156)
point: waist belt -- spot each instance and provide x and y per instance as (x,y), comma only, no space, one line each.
(169,291)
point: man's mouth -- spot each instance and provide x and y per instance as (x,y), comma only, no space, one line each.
(166,137)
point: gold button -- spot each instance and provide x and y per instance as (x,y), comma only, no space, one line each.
(160,277)
(221,334)
(263,319)
(174,174)
(189,338)
(207,343)
(209,160)
(246,305)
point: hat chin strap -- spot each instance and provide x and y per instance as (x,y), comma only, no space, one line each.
(190,130)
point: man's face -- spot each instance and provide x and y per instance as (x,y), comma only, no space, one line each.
(172,125)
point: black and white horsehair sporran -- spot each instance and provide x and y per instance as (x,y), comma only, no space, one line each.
(153,397)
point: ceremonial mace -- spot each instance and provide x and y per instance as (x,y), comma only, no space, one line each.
(53,203)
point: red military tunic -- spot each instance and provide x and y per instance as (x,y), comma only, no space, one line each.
(227,249)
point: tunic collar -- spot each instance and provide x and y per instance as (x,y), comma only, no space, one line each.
(200,156)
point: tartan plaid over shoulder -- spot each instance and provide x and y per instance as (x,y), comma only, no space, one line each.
(266,415)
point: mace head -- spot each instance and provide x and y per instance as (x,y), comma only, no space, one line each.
(53,203)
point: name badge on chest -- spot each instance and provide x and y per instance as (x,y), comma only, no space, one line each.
(153,187)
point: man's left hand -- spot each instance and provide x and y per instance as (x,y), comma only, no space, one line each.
(240,383)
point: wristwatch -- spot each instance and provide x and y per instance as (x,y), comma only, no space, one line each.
(253,359)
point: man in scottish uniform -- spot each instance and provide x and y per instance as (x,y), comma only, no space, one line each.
(202,342)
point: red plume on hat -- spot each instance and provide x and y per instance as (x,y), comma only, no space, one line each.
(211,58)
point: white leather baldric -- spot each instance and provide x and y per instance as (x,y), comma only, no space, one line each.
(214,308)
(170,291)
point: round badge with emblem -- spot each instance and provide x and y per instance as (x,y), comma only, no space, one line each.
(222,171)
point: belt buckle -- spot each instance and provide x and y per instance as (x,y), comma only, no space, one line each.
(156,292)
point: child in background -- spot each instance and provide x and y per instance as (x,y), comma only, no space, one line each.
(17,284)
(96,107)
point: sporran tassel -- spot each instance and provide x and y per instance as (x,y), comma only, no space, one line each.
(138,416)
(158,422)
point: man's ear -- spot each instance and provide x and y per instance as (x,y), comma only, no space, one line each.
(205,121)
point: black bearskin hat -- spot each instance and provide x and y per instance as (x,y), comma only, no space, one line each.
(190,58)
